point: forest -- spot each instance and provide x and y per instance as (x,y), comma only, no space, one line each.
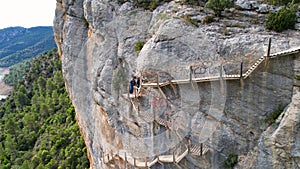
(18,44)
(38,126)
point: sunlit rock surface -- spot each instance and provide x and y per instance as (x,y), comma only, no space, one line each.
(96,41)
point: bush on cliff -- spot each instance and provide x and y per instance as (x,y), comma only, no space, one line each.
(282,2)
(218,5)
(281,20)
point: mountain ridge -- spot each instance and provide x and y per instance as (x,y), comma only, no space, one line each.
(18,43)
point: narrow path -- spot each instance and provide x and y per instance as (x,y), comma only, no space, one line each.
(226,77)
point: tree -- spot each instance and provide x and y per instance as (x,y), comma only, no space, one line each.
(281,20)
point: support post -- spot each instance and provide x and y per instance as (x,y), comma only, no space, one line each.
(134,162)
(221,72)
(174,160)
(146,162)
(268,55)
(241,70)
(191,77)
(189,144)
(157,80)
(269,47)
(125,160)
(201,149)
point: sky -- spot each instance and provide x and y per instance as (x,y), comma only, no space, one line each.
(26,13)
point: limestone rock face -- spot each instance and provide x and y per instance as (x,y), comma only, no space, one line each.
(97,40)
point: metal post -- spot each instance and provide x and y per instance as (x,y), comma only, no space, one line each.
(221,73)
(269,47)
(201,149)
(241,71)
(174,160)
(191,70)
(157,79)
(125,160)
(134,162)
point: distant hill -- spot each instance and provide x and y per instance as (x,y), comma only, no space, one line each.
(18,43)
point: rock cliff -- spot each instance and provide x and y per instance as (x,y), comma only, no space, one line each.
(185,104)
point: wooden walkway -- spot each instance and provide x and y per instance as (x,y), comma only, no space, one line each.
(197,150)
(226,77)
(286,52)
(192,149)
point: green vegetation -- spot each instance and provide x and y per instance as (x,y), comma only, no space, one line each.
(139,45)
(218,5)
(297,77)
(18,44)
(146,4)
(208,19)
(273,115)
(282,2)
(282,19)
(190,2)
(231,161)
(16,73)
(37,121)
(188,19)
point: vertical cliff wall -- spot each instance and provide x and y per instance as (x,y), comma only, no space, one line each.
(96,41)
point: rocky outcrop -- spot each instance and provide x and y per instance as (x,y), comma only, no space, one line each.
(96,41)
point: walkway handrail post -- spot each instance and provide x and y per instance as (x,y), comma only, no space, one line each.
(174,160)
(241,71)
(191,70)
(125,160)
(191,77)
(157,79)
(269,47)
(201,149)
(134,162)
(221,73)
(146,162)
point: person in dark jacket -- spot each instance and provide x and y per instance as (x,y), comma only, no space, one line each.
(138,85)
(132,85)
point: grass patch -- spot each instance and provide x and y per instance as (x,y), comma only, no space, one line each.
(297,77)
(208,19)
(231,161)
(139,45)
(188,19)
(273,115)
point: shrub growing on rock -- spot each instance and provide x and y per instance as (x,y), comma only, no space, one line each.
(139,45)
(218,5)
(188,19)
(282,2)
(281,20)
(231,161)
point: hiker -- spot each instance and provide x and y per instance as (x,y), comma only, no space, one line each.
(138,85)
(132,85)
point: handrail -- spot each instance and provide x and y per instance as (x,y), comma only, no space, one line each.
(171,158)
(225,77)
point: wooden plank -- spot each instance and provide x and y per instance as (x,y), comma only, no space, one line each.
(179,158)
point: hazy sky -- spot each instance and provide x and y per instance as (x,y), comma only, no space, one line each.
(26,13)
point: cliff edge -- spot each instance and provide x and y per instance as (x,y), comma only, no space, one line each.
(210,91)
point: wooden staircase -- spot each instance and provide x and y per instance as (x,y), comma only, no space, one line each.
(253,67)
(197,150)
